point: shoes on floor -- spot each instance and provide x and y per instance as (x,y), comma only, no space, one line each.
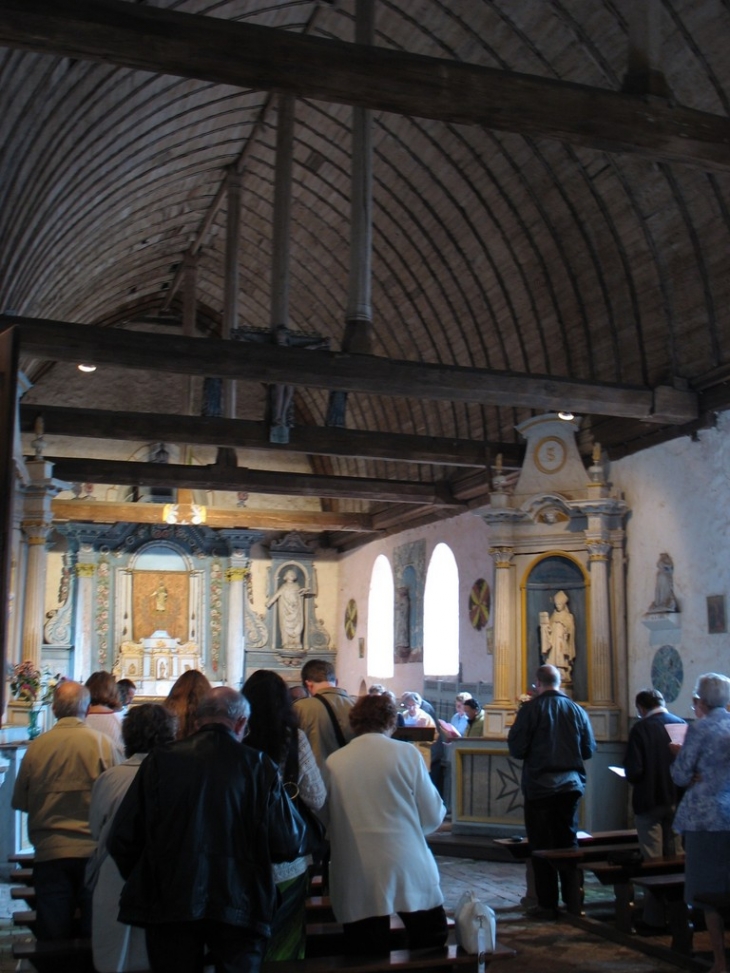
(540,914)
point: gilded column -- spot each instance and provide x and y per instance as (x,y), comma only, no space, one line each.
(235,646)
(504,688)
(36,524)
(599,550)
(83,636)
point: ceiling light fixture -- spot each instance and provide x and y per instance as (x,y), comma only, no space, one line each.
(86,368)
(566,416)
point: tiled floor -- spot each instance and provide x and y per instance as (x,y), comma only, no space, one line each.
(566,946)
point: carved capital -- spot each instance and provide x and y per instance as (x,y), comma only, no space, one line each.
(598,550)
(236,574)
(36,531)
(503,556)
(85,570)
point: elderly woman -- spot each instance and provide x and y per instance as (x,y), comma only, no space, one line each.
(382,804)
(117,946)
(702,765)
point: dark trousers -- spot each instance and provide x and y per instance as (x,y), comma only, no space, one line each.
(60,892)
(185,947)
(372,935)
(552,822)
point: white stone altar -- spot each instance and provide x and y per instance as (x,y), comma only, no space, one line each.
(154,663)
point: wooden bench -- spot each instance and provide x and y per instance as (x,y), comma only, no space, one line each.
(669,889)
(439,958)
(21,876)
(75,954)
(569,859)
(622,878)
(60,954)
(328,938)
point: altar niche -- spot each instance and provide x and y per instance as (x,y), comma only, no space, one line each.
(556,621)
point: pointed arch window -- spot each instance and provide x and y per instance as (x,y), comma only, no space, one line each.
(441,614)
(381,602)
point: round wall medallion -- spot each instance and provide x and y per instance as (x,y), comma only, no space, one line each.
(550,454)
(667,672)
(480,603)
(351,619)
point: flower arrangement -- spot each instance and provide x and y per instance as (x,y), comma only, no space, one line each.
(30,684)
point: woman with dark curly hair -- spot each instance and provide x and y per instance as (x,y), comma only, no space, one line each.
(382,804)
(105,705)
(273,728)
(117,946)
(183,700)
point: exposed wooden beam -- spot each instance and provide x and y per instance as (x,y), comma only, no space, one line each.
(353,373)
(235,479)
(103,512)
(244,434)
(250,56)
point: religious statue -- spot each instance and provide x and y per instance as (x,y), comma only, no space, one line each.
(557,637)
(290,597)
(664,600)
(159,597)
(402,622)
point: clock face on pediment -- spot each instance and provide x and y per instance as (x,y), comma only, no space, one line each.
(550,454)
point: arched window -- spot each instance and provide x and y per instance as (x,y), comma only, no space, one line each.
(380,619)
(441,614)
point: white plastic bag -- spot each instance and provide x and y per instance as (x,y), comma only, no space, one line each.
(476,925)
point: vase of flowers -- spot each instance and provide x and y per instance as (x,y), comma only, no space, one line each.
(33,687)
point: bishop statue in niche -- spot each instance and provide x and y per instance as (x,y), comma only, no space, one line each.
(290,597)
(557,638)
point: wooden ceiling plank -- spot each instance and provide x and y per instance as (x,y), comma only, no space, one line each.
(105,512)
(245,434)
(262,58)
(332,370)
(238,479)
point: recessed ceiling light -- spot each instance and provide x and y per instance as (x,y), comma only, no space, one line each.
(87,368)
(566,416)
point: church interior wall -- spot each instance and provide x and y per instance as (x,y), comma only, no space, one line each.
(468,538)
(679,495)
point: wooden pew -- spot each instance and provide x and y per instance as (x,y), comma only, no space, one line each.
(569,860)
(72,955)
(622,878)
(669,889)
(444,958)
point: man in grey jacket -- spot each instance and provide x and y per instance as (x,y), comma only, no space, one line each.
(553,736)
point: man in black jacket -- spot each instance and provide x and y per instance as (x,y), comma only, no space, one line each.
(655,795)
(553,736)
(195,837)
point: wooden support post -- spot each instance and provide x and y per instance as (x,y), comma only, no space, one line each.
(644,74)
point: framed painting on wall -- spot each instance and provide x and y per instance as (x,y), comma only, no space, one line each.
(160,604)
(716,619)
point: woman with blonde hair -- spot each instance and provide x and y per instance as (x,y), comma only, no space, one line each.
(183,700)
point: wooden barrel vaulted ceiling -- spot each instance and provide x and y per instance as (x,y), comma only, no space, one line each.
(553,232)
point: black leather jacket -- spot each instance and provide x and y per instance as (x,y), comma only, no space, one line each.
(197,832)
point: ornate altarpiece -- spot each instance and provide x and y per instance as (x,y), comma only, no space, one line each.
(557,528)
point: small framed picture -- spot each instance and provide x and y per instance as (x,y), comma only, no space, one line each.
(716,619)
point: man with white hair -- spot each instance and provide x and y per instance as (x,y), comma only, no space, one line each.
(195,838)
(54,786)
(553,736)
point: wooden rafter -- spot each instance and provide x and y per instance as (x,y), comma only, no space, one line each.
(60,341)
(251,56)
(246,434)
(237,479)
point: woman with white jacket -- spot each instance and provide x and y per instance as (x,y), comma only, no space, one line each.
(382,805)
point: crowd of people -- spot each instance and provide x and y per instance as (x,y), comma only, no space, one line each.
(178,831)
